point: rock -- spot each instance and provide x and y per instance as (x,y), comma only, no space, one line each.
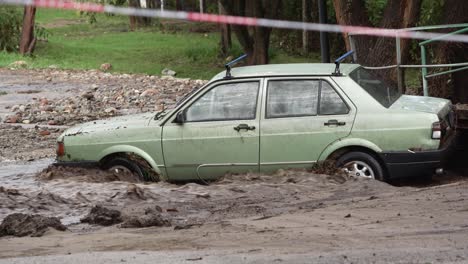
(110,110)
(18,65)
(95,87)
(105,67)
(88,95)
(103,216)
(22,108)
(168,72)
(43,101)
(29,225)
(15,108)
(53,66)
(44,132)
(46,108)
(49,79)
(26,121)
(52,123)
(13,119)
(149,92)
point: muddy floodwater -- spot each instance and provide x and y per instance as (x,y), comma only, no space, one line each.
(290,217)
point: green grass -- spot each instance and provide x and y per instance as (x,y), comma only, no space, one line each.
(75,44)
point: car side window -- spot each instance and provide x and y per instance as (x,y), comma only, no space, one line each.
(233,101)
(289,98)
(330,102)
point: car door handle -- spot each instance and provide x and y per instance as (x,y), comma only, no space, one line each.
(334,122)
(244,126)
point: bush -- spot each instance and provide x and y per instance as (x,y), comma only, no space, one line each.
(10,28)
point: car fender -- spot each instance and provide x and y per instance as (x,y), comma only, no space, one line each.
(348,142)
(134,150)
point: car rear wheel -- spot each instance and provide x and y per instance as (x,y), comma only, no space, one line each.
(360,164)
(123,167)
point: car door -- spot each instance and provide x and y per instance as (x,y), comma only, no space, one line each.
(301,118)
(220,134)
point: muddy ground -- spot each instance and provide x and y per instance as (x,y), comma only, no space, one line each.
(290,217)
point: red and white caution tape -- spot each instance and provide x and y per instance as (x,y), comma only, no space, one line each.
(236,20)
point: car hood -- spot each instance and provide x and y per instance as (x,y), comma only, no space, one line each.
(438,106)
(138,120)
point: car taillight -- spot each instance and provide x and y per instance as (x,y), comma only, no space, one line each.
(436,130)
(60,149)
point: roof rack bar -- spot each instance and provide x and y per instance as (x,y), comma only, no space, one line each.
(339,60)
(229,64)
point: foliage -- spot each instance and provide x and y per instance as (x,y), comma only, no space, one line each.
(375,9)
(10,28)
(431,12)
(149,51)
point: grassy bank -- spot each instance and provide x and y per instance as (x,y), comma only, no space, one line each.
(75,44)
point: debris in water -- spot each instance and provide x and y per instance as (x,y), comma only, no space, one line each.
(103,216)
(151,217)
(20,225)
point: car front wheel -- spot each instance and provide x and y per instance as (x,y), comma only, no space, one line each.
(360,164)
(123,167)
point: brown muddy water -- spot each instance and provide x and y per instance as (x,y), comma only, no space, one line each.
(70,193)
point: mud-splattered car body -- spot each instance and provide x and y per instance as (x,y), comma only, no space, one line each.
(264,118)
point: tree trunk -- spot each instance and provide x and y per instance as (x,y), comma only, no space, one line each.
(225,30)
(178,5)
(372,51)
(136,21)
(306,19)
(202,6)
(453,85)
(28,42)
(255,41)
(353,12)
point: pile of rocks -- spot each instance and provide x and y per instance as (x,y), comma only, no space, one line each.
(106,95)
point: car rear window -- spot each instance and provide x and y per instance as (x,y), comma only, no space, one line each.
(385,93)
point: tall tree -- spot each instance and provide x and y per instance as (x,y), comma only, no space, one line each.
(255,41)
(28,41)
(452,85)
(397,14)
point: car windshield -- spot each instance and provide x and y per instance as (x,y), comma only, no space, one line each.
(385,93)
(181,100)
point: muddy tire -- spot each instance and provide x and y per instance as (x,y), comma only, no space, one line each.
(361,164)
(123,165)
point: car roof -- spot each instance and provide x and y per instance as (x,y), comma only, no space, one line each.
(293,69)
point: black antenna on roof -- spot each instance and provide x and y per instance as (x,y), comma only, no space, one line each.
(229,64)
(339,60)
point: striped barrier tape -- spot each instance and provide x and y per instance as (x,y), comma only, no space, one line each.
(236,20)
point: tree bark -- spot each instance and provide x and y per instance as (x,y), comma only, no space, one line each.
(28,42)
(136,21)
(178,5)
(372,51)
(306,18)
(453,85)
(255,41)
(225,30)
(353,12)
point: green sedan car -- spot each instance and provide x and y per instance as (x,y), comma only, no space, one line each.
(270,117)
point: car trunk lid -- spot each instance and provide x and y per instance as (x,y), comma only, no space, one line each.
(440,107)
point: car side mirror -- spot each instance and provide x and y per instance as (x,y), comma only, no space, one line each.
(181,117)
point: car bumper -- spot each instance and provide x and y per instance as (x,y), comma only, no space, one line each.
(411,164)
